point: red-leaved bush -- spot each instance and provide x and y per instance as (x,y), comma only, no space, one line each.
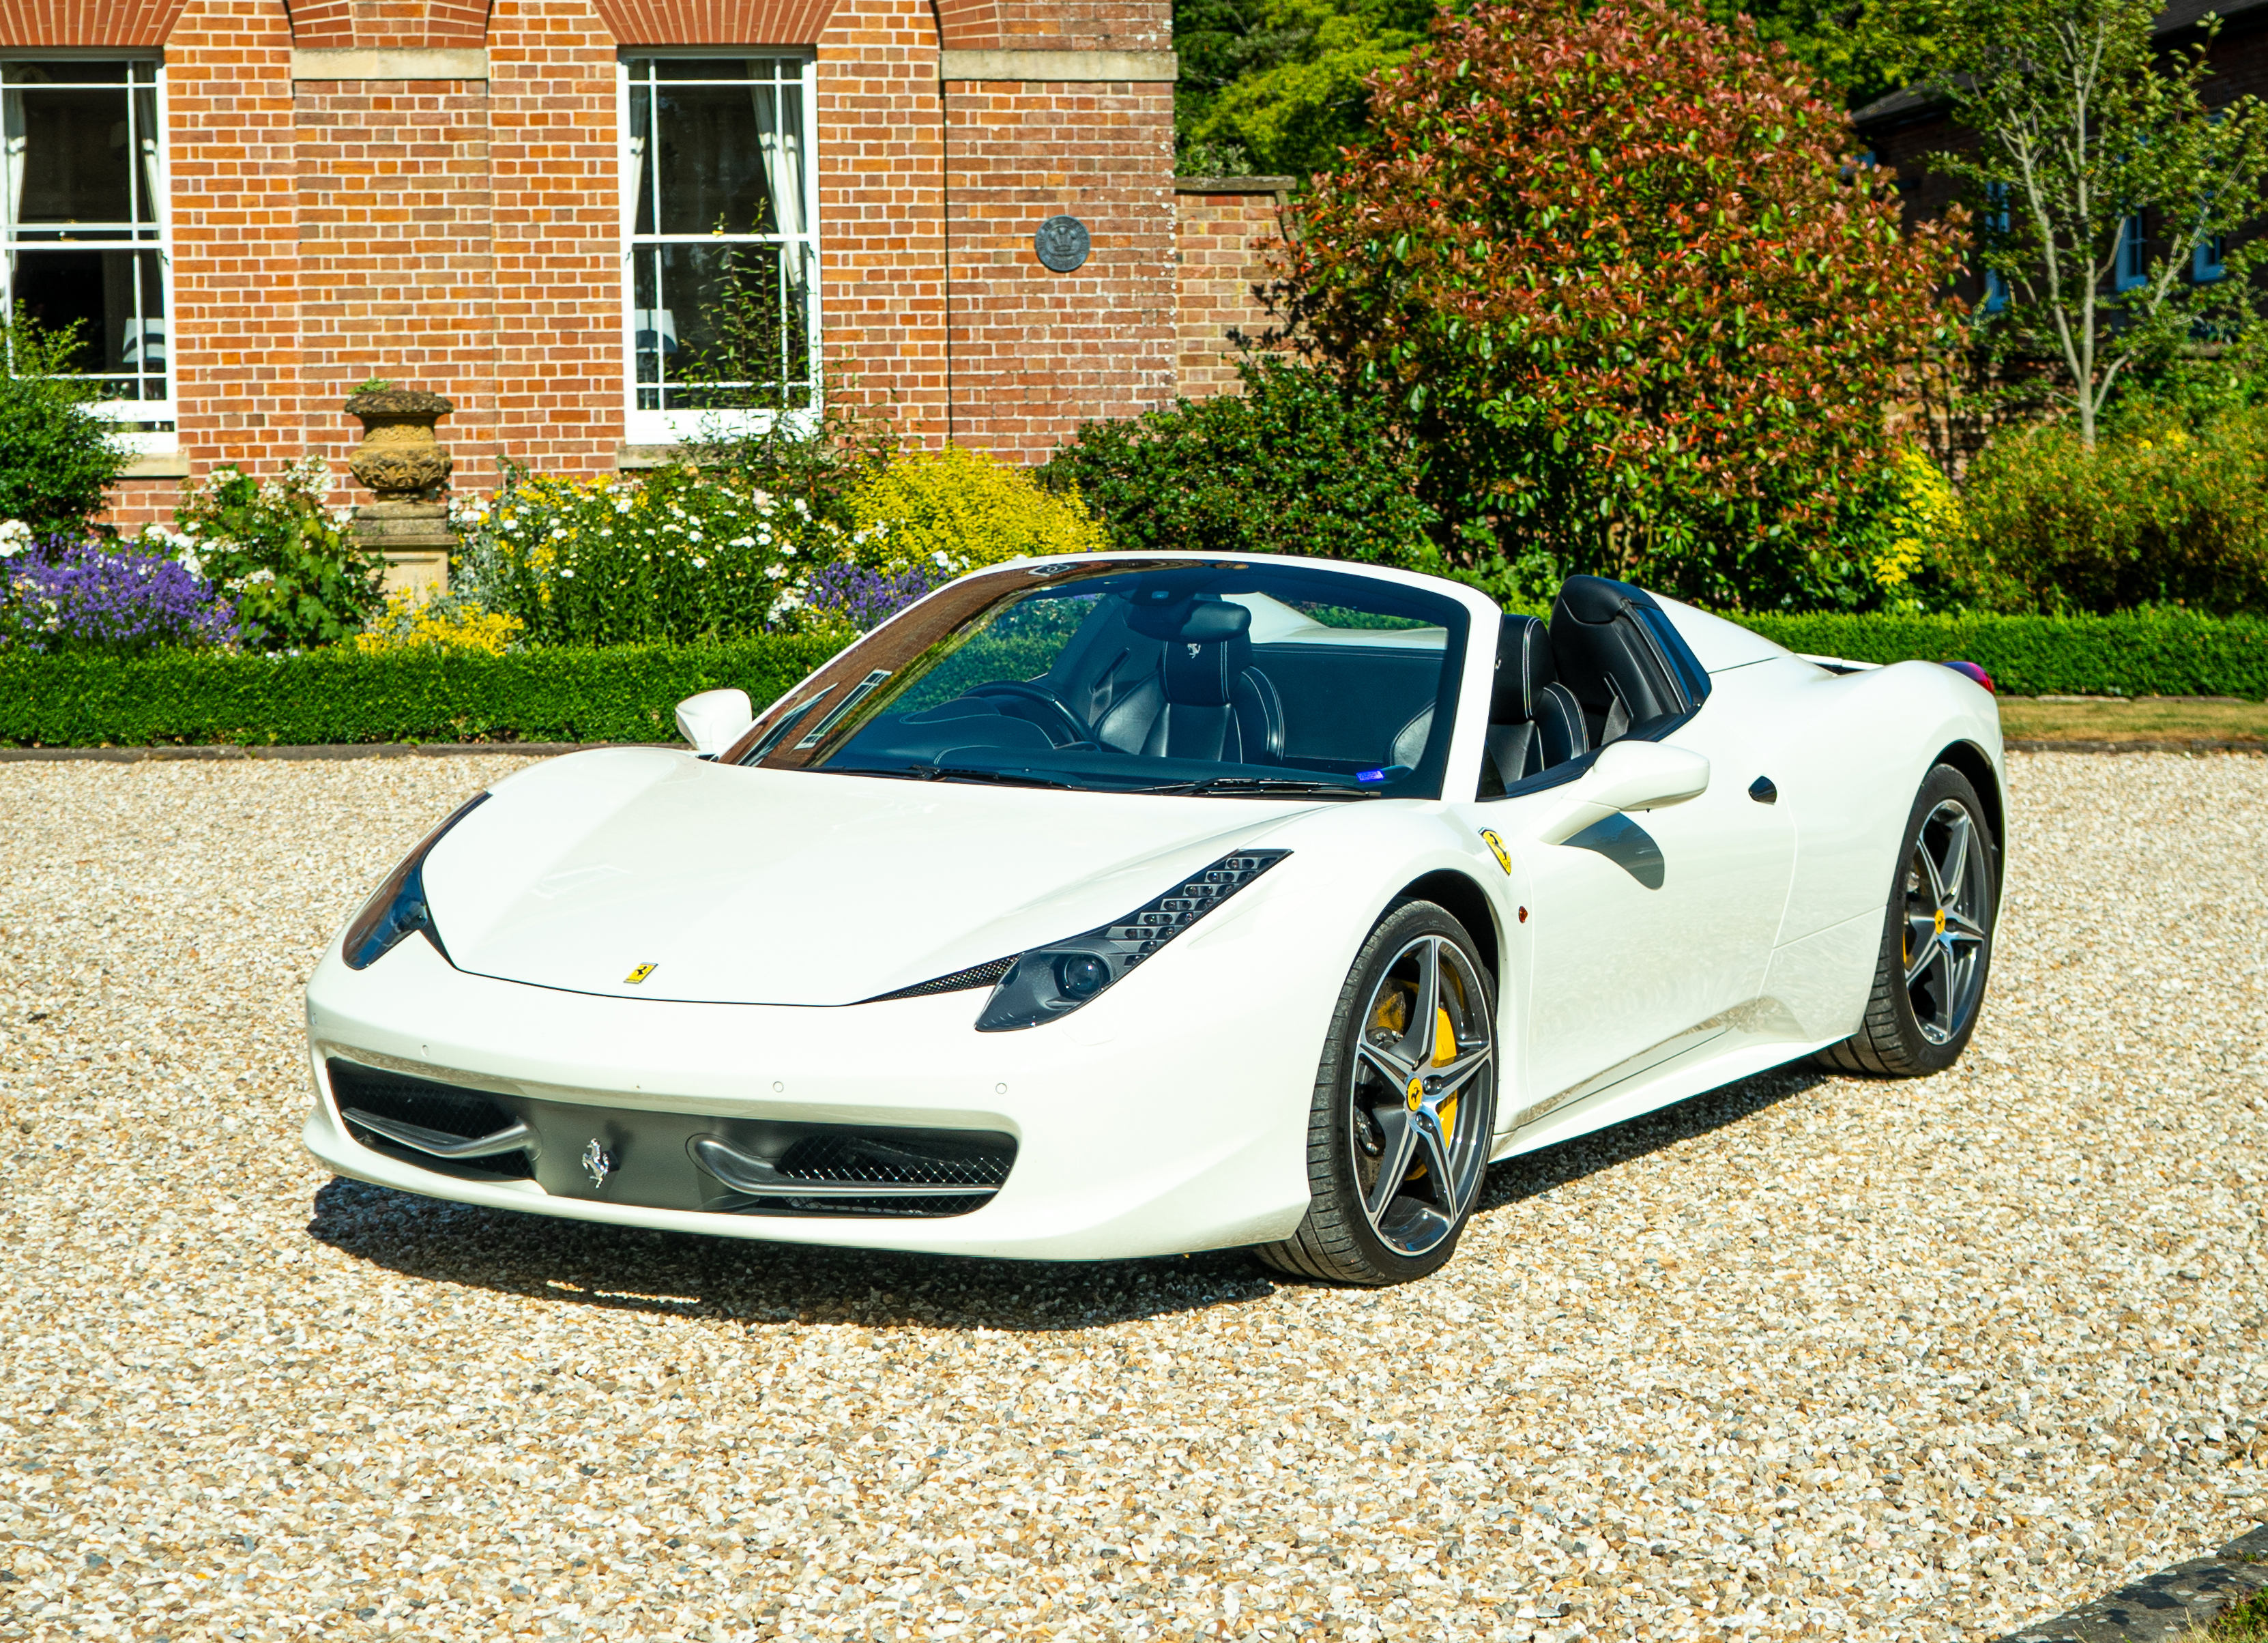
(1631,294)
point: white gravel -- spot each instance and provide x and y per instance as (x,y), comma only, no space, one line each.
(1811,1356)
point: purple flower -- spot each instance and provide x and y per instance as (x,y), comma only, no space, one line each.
(82,596)
(867,598)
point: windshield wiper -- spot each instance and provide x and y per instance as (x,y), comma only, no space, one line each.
(969,773)
(1261,786)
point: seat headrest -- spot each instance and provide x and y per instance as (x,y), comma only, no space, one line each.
(1523,667)
(1595,601)
(1207,652)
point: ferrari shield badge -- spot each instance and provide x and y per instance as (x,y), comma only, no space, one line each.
(638,975)
(598,1163)
(1495,844)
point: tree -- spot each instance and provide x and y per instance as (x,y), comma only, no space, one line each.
(1281,85)
(57,461)
(2100,176)
(1628,293)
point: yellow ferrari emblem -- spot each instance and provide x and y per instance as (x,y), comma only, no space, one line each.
(1941,921)
(638,975)
(1496,846)
(1416,1095)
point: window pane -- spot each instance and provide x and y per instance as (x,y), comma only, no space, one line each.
(117,298)
(722,326)
(76,162)
(70,73)
(712,174)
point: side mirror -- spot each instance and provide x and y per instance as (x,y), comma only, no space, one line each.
(714,721)
(1625,775)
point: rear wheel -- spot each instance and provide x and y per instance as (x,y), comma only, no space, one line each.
(1404,1106)
(1937,939)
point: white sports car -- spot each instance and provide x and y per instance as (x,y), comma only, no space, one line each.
(1120,905)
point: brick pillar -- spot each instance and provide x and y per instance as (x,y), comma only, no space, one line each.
(1222,228)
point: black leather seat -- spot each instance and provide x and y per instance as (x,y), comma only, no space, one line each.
(1207,701)
(1534,722)
(1608,646)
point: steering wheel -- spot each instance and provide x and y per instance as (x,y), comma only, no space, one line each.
(1056,716)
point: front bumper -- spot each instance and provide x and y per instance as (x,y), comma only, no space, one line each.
(1158,1120)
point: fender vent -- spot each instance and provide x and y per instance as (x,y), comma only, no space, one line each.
(444,1108)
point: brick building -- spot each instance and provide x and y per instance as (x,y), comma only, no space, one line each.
(539,208)
(1903,130)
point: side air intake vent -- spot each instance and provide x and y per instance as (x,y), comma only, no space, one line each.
(428,1125)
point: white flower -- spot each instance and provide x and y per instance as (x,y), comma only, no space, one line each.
(15,536)
(742,541)
(700,564)
(262,575)
(569,575)
(778,573)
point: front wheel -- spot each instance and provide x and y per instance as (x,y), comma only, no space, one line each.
(1404,1106)
(1937,939)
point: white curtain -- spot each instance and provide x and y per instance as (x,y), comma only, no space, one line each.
(12,127)
(779,140)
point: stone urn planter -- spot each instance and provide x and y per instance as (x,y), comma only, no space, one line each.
(399,458)
(406,468)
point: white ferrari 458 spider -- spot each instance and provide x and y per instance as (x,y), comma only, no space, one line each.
(1121,905)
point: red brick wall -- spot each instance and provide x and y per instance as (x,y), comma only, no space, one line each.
(1220,258)
(397,24)
(1036,352)
(87,22)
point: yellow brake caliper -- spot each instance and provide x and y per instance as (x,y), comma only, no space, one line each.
(1445,1051)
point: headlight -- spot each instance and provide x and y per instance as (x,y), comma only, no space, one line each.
(398,905)
(1055,980)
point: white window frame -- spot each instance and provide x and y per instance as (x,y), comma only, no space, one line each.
(2132,266)
(672,427)
(147,427)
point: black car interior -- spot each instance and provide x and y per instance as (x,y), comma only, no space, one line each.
(1163,674)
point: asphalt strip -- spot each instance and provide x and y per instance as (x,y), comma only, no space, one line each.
(2166,1605)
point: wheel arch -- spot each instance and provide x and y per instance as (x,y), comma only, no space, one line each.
(1970,760)
(1464,898)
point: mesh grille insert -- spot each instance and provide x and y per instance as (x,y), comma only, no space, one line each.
(430,1106)
(853,1157)
(960,981)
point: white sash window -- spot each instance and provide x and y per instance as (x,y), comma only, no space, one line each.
(720,285)
(84,223)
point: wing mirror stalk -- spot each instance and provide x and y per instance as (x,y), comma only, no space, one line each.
(1625,775)
(714,721)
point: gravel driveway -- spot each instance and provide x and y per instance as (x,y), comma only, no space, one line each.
(1809,1356)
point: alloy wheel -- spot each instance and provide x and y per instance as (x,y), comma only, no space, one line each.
(1946,891)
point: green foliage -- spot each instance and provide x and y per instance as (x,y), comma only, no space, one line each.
(2153,652)
(1282,84)
(57,463)
(957,509)
(680,554)
(751,351)
(299,578)
(1628,296)
(344,695)
(2082,124)
(2160,512)
(1295,464)
(627,693)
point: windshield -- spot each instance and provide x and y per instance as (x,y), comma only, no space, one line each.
(1142,676)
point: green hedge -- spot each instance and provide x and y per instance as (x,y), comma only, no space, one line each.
(339,695)
(626,694)
(2148,654)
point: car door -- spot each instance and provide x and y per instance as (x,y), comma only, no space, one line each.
(1645,928)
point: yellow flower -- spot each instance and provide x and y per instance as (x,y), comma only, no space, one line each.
(432,620)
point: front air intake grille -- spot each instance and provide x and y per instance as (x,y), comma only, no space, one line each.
(850,1156)
(467,1114)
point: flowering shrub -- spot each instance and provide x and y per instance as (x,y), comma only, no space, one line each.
(449,621)
(957,509)
(674,556)
(296,575)
(866,598)
(58,596)
(1626,292)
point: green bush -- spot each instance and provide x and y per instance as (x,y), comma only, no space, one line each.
(2163,510)
(345,695)
(56,463)
(2154,652)
(955,510)
(627,693)
(1292,465)
(293,568)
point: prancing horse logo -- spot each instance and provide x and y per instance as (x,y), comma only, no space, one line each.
(598,1163)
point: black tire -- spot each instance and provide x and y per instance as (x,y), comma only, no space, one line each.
(1936,954)
(1433,1127)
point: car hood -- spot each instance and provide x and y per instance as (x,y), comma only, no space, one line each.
(758,887)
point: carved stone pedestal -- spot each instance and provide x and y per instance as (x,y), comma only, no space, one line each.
(415,538)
